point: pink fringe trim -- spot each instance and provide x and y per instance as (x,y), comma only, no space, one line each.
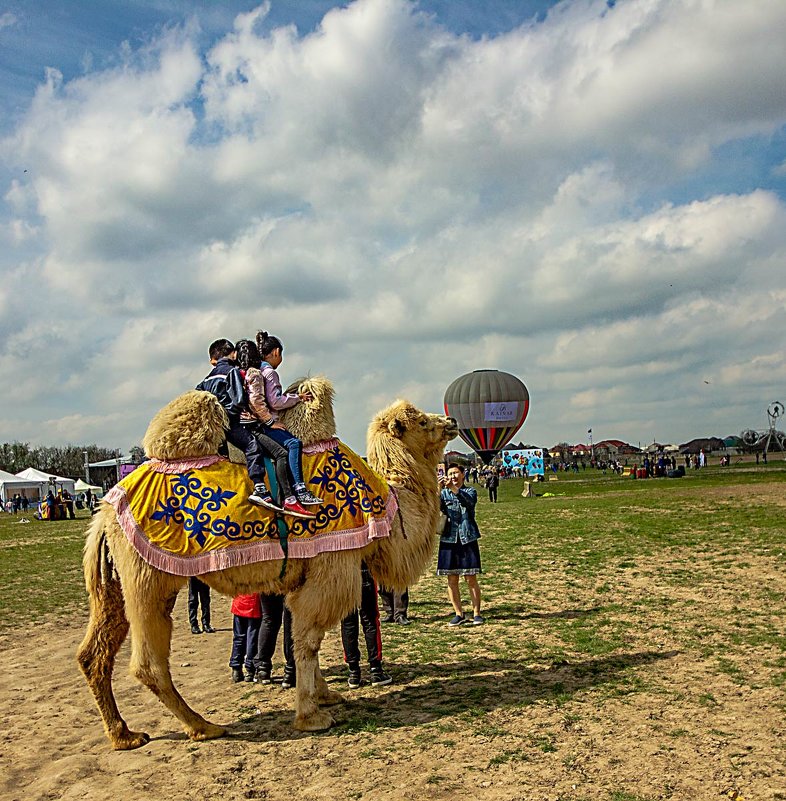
(238,555)
(321,447)
(183,465)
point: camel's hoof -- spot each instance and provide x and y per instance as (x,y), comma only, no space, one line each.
(208,731)
(331,698)
(318,721)
(130,740)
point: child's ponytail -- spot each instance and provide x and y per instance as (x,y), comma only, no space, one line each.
(266,344)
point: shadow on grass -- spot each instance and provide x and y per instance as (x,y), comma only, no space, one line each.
(567,614)
(473,687)
(434,612)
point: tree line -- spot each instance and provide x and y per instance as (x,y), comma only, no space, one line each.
(67,460)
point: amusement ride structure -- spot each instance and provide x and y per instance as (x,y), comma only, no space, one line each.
(769,437)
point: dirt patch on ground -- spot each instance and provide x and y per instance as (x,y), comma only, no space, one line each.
(682,698)
(647,719)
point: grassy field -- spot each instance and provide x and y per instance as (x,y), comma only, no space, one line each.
(631,628)
(589,524)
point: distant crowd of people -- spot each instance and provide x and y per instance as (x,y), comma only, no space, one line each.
(58,505)
(18,503)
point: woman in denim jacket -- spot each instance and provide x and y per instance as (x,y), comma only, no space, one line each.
(459,554)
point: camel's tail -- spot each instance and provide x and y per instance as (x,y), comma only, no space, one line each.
(106,630)
(102,581)
(97,559)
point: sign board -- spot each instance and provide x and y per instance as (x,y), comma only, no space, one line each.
(505,412)
(529,459)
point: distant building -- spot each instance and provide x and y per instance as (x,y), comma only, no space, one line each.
(614,448)
(707,444)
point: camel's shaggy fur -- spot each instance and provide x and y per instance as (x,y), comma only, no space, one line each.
(173,432)
(311,422)
(404,444)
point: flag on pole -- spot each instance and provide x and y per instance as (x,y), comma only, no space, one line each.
(589,430)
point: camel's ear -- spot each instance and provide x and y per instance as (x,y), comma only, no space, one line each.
(396,428)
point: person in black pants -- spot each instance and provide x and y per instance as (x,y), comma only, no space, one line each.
(274,612)
(394,606)
(199,594)
(368,617)
(492,483)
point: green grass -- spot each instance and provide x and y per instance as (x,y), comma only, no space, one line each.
(601,528)
(559,588)
(40,568)
(590,598)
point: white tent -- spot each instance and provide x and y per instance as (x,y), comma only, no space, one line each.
(82,486)
(43,479)
(113,462)
(11,484)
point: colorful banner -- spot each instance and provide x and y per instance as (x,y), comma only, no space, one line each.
(530,460)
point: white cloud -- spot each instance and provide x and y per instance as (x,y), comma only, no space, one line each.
(402,205)
(7,20)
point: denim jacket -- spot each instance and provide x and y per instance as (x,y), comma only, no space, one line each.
(460,510)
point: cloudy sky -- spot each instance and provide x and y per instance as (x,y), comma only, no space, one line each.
(588,194)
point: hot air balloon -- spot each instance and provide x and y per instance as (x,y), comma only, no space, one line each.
(489,407)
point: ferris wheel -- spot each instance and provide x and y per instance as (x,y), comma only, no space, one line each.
(775,410)
(753,438)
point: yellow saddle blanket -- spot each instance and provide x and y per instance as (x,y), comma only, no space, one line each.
(194,517)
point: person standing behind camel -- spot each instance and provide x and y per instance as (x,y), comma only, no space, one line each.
(367,616)
(274,614)
(271,350)
(199,594)
(395,605)
(247,618)
(459,554)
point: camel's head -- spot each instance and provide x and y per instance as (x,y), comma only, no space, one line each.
(311,421)
(191,425)
(402,435)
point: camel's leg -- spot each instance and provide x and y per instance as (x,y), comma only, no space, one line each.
(149,606)
(96,656)
(308,638)
(333,586)
(325,696)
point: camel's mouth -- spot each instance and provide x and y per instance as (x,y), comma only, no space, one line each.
(451,428)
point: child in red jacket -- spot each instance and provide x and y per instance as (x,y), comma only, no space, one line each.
(245,635)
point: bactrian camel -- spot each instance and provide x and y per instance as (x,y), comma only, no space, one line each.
(404,445)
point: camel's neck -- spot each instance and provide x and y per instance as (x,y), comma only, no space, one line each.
(421,480)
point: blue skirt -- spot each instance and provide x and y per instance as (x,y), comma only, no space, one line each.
(455,559)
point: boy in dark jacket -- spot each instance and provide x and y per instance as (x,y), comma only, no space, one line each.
(226,383)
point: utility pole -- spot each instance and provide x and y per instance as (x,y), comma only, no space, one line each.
(87,467)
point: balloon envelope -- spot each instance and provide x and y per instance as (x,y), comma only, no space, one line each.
(489,407)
